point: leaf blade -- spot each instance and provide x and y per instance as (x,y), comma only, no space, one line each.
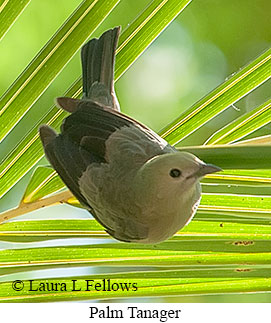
(233,156)
(146,288)
(244,125)
(257,177)
(243,82)
(9,12)
(43,69)
(59,229)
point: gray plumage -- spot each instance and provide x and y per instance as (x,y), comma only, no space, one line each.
(134,183)
(98,59)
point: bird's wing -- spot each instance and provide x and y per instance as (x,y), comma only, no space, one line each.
(67,158)
(107,134)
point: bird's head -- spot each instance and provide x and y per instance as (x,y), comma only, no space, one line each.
(174,173)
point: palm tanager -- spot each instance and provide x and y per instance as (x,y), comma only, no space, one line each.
(136,185)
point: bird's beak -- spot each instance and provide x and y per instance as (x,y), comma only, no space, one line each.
(207,169)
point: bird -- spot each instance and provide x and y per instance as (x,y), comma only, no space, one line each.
(136,185)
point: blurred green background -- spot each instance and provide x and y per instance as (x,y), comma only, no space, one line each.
(206,44)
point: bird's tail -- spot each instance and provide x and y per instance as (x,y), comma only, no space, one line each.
(98,59)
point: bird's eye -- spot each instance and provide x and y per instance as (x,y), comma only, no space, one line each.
(175,172)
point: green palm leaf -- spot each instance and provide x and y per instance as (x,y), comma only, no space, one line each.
(50,61)
(9,11)
(146,287)
(240,84)
(243,126)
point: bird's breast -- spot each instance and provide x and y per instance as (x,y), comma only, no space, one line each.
(165,217)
